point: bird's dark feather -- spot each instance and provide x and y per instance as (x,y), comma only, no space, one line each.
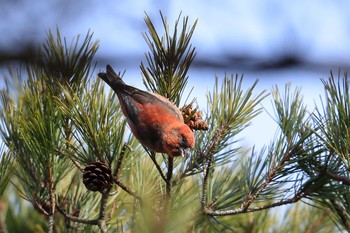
(129,95)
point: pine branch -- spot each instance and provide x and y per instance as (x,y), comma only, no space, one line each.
(68,65)
(290,113)
(208,161)
(169,177)
(75,162)
(101,218)
(98,126)
(120,160)
(342,214)
(331,174)
(99,221)
(342,179)
(51,222)
(245,205)
(270,176)
(77,219)
(42,208)
(117,172)
(126,189)
(231,111)
(169,59)
(297,197)
(152,155)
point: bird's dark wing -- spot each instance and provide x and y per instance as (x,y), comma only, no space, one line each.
(131,96)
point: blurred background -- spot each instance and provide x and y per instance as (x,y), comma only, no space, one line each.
(274,41)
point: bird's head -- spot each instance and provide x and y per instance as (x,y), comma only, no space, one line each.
(178,141)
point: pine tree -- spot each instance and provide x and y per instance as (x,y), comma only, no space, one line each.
(68,152)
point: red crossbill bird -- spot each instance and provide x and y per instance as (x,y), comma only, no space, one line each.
(155,121)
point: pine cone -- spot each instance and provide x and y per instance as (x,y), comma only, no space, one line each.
(193,118)
(97,176)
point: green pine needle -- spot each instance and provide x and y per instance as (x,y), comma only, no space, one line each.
(169,59)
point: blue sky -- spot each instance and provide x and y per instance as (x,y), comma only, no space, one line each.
(320,29)
(242,36)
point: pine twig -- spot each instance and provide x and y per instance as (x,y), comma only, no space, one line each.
(297,197)
(343,179)
(212,202)
(207,209)
(51,222)
(77,219)
(74,161)
(205,183)
(100,221)
(206,170)
(110,215)
(169,177)
(152,155)
(126,189)
(38,206)
(117,171)
(271,174)
(342,213)
(120,160)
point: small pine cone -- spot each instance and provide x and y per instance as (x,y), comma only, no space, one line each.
(186,112)
(193,118)
(201,125)
(97,176)
(198,125)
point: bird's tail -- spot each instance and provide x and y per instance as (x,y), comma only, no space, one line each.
(111,78)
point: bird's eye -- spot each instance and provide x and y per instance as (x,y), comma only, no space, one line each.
(183,142)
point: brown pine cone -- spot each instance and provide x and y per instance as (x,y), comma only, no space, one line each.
(193,118)
(97,176)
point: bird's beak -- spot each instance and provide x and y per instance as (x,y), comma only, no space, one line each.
(185,152)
